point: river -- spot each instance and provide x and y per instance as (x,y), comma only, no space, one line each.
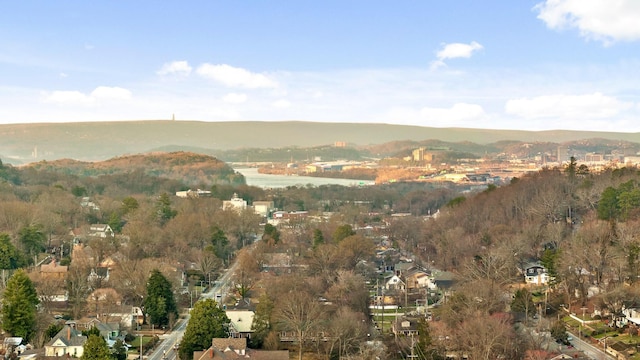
(254,178)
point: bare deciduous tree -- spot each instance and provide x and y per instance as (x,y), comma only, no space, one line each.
(300,314)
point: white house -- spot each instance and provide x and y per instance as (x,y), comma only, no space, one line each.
(235,203)
(394,283)
(632,315)
(101,230)
(240,323)
(67,342)
(193,193)
(536,274)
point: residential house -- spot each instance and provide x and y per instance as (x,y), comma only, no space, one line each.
(53,270)
(278,217)
(394,282)
(86,203)
(85,323)
(535,274)
(110,332)
(236,348)
(443,280)
(418,279)
(137,316)
(193,193)
(103,302)
(84,255)
(405,327)
(67,342)
(98,276)
(101,231)
(632,315)
(276,262)
(402,268)
(240,323)
(57,298)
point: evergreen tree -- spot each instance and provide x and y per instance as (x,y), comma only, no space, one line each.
(119,351)
(318,238)
(571,168)
(608,204)
(32,239)
(19,306)
(10,257)
(425,348)
(78,191)
(261,321)
(96,348)
(129,204)
(164,210)
(115,222)
(207,321)
(271,235)
(219,242)
(342,232)
(52,330)
(159,303)
(549,260)
(93,331)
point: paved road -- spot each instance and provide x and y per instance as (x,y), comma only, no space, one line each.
(589,350)
(165,350)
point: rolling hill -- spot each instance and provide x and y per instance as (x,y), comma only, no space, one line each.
(93,141)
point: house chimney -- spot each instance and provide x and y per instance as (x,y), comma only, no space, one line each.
(211,352)
(68,333)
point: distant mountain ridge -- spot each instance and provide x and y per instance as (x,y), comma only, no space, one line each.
(93,141)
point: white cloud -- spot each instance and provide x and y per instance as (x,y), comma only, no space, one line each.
(79,98)
(588,106)
(68,97)
(63,75)
(235,77)
(456,114)
(281,104)
(234,98)
(606,21)
(453,51)
(115,93)
(175,68)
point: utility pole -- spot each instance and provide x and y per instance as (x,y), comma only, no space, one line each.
(412,356)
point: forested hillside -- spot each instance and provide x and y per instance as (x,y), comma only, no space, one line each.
(190,168)
(583,228)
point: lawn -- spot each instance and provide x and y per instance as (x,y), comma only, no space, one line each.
(135,343)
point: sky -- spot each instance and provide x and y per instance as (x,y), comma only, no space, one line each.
(493,64)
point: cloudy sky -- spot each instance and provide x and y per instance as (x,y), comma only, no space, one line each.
(496,64)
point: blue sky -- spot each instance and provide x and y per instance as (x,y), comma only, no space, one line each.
(495,64)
